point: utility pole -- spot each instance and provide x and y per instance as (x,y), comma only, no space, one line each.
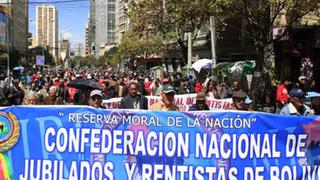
(189,50)
(213,40)
(8,42)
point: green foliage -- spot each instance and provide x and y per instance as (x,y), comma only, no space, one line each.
(262,15)
(40,51)
(83,61)
(72,62)
(166,21)
(88,60)
(134,44)
(113,56)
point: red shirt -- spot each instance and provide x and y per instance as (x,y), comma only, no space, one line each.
(35,76)
(282,94)
(148,84)
(198,87)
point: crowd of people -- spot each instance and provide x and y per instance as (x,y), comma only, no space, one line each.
(53,87)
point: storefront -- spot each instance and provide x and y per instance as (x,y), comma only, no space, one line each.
(302,42)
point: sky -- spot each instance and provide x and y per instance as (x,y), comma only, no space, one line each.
(72,19)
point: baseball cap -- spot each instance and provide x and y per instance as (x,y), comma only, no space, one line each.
(168,89)
(239,94)
(96,92)
(165,80)
(295,92)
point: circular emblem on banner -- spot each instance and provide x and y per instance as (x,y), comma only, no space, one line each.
(9,131)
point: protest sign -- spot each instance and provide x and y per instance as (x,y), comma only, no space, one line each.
(85,143)
(183,101)
(40,60)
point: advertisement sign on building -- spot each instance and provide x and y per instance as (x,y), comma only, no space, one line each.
(3,28)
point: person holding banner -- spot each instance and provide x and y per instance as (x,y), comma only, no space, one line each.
(238,99)
(96,98)
(166,100)
(32,99)
(315,103)
(313,99)
(134,100)
(200,103)
(296,105)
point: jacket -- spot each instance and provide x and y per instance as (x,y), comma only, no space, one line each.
(196,108)
(128,102)
(289,109)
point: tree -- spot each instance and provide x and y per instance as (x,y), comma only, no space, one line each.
(136,44)
(261,16)
(40,51)
(88,60)
(83,61)
(113,56)
(169,20)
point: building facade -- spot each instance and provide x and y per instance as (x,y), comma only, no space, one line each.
(90,30)
(89,34)
(79,50)
(122,18)
(47,30)
(32,42)
(105,18)
(18,25)
(64,49)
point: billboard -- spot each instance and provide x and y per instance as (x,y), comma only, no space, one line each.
(40,60)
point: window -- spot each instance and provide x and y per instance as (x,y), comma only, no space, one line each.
(111,7)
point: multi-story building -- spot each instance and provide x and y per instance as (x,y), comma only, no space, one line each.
(91,28)
(17,10)
(105,18)
(122,19)
(47,34)
(87,44)
(79,50)
(64,49)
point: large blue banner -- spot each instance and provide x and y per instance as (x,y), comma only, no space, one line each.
(86,143)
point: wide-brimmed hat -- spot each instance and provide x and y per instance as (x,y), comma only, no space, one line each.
(239,94)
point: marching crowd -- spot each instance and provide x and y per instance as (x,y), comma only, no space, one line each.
(53,87)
